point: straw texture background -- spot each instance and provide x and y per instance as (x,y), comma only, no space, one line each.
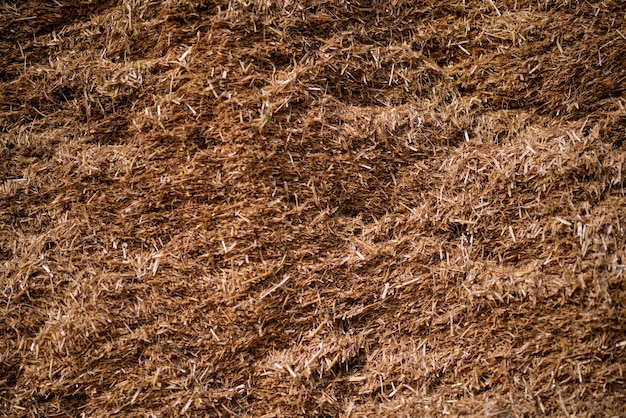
(312,208)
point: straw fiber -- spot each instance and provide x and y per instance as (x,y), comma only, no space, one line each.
(312,208)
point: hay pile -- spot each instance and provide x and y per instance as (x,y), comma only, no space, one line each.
(312,208)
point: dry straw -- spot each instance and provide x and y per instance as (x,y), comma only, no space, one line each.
(312,208)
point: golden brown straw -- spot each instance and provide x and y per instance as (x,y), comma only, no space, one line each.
(312,208)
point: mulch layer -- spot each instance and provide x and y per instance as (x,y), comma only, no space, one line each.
(312,208)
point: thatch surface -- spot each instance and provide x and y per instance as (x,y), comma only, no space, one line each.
(312,208)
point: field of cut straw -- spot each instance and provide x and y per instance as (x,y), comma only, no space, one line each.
(316,208)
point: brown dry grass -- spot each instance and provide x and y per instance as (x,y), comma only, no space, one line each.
(312,208)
